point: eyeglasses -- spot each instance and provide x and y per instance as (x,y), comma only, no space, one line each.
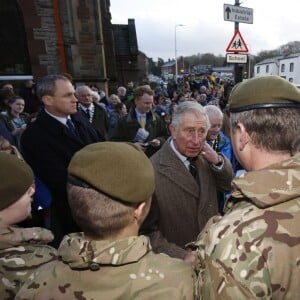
(84,96)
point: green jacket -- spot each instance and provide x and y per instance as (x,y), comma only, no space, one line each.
(253,252)
(122,269)
(22,250)
(128,126)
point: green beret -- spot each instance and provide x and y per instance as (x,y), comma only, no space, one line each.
(119,170)
(15,177)
(264,92)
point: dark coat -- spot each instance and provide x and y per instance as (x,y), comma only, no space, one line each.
(180,206)
(128,126)
(100,120)
(48,147)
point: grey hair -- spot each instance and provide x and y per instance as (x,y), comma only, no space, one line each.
(185,107)
(81,88)
(47,85)
(213,111)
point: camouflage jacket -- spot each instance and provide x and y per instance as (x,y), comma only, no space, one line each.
(122,269)
(22,250)
(253,252)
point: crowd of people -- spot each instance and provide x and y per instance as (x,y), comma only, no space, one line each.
(189,191)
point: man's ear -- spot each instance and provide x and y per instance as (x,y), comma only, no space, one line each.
(244,137)
(47,100)
(139,211)
(172,131)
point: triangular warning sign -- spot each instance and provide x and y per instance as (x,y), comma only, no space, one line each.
(237,43)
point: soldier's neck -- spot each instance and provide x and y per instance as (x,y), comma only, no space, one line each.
(122,234)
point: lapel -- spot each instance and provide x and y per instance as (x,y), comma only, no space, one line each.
(56,128)
(81,112)
(173,168)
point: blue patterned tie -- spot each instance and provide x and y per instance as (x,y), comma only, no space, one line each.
(71,126)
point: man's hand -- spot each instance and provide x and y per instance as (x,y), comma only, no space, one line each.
(190,257)
(210,154)
(140,146)
(155,143)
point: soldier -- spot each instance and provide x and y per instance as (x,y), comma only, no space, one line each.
(108,260)
(253,251)
(22,250)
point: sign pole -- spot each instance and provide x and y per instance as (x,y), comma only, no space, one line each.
(238,70)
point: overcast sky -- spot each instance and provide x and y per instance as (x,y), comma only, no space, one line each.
(275,23)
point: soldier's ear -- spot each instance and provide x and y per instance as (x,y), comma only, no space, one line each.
(139,211)
(244,137)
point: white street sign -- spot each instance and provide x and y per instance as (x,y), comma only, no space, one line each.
(236,58)
(234,13)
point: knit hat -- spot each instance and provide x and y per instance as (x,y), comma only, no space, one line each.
(119,170)
(15,177)
(264,92)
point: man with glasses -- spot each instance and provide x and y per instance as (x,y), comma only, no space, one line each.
(94,113)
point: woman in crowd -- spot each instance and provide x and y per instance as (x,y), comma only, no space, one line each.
(15,119)
(119,111)
(113,100)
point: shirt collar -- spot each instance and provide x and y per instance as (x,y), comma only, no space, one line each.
(138,114)
(85,108)
(183,158)
(62,120)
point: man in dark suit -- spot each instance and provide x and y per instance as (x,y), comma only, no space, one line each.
(49,143)
(188,174)
(94,113)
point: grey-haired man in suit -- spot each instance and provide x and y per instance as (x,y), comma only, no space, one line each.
(188,175)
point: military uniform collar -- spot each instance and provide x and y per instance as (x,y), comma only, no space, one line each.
(80,253)
(270,186)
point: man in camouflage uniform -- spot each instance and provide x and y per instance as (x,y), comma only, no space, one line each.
(22,250)
(108,260)
(253,252)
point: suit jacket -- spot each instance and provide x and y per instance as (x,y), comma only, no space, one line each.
(48,147)
(180,206)
(128,126)
(100,120)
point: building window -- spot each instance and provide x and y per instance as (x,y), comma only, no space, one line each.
(13,45)
(291,80)
(257,70)
(282,68)
(291,67)
(267,68)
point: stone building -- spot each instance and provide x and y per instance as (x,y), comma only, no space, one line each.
(40,37)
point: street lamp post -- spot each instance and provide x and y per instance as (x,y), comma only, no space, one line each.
(176,66)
